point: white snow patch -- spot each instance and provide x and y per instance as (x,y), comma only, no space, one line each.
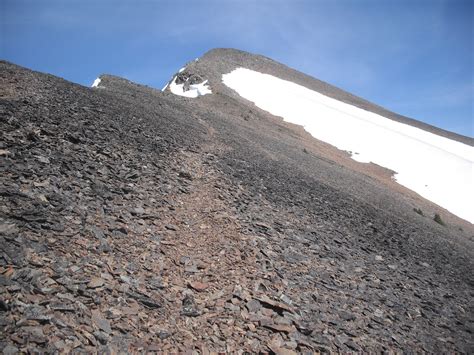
(165,87)
(437,168)
(194,90)
(181,70)
(96,83)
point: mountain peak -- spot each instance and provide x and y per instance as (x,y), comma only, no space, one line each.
(219,61)
(369,132)
(138,220)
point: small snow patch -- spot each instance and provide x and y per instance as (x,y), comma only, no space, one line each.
(194,90)
(96,83)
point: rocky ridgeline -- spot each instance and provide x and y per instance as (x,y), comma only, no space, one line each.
(131,222)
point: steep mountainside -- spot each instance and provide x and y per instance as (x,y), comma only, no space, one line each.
(138,220)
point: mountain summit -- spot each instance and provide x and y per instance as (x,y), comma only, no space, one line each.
(241,208)
(434,163)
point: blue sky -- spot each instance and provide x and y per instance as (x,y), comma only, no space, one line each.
(412,57)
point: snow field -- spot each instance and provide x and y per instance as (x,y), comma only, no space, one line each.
(437,168)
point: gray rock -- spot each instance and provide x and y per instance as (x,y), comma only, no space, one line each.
(189,308)
(10,350)
(101,322)
(253,306)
